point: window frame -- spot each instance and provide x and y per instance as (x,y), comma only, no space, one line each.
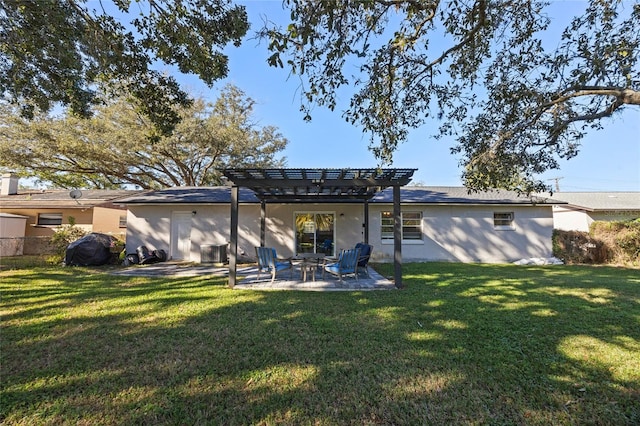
(386,222)
(54,219)
(504,221)
(316,229)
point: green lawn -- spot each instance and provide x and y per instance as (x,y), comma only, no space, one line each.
(461,344)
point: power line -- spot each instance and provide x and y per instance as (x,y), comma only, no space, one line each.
(557,180)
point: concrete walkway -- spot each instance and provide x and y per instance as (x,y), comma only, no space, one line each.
(248,277)
(171,269)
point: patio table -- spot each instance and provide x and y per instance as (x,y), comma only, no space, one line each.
(309,263)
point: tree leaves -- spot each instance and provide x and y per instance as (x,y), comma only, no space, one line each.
(514,104)
(59,52)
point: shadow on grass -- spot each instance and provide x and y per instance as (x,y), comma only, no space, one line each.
(496,344)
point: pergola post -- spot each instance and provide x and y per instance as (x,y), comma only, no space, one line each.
(397,237)
(233,255)
(263,221)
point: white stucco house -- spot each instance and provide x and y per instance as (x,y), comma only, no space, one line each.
(581,209)
(438,224)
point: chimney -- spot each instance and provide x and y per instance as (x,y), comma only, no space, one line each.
(9,184)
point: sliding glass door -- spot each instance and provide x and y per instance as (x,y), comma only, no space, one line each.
(315,232)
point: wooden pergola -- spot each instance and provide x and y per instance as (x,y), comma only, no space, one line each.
(317,186)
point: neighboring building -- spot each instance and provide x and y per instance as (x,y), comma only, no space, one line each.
(438,224)
(583,208)
(45,210)
(12,228)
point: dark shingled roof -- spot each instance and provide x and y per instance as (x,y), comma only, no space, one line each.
(191,195)
(458,195)
(408,195)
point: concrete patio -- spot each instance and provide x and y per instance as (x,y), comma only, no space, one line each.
(248,277)
(293,281)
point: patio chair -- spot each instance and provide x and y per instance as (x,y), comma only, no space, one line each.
(347,264)
(268,261)
(327,246)
(365,254)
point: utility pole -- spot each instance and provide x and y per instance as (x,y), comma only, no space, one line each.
(557,181)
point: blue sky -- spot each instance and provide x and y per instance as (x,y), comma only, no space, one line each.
(609,160)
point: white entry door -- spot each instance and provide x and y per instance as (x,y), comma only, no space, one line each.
(181,236)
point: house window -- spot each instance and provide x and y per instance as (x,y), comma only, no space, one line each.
(49,219)
(503,220)
(122,223)
(411,225)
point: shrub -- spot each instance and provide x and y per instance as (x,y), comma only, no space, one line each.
(630,244)
(623,237)
(578,247)
(616,242)
(62,237)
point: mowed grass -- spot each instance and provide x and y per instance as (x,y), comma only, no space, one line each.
(460,344)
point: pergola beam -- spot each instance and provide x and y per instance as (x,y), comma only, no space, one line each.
(314,198)
(314,183)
